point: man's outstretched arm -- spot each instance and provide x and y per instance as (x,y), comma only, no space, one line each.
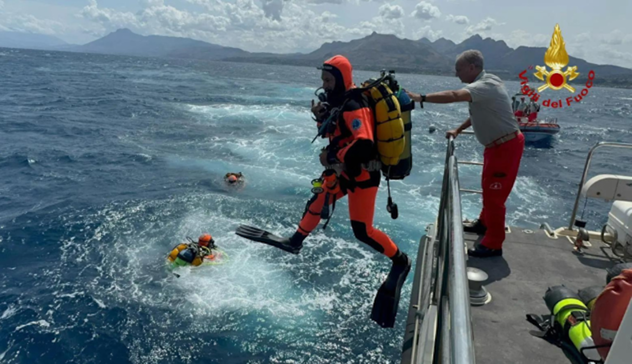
(443,97)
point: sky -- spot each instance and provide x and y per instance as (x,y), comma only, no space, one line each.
(599,32)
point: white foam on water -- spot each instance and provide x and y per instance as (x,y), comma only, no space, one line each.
(276,287)
(9,312)
(42,323)
(531,202)
(276,114)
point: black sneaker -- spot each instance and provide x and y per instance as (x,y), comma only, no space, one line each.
(481,251)
(475,227)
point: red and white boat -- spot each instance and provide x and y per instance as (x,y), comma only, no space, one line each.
(533,129)
(538,130)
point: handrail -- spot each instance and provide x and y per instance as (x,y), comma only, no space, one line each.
(453,340)
(585,174)
(460,322)
(440,322)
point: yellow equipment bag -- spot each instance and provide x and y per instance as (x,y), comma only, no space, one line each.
(389,125)
(392,132)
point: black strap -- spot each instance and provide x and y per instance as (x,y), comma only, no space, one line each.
(579,316)
(333,208)
(547,330)
(408,107)
(540,322)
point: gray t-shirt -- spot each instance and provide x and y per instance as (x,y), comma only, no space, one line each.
(490,109)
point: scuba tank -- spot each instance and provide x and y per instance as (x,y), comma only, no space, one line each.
(392,116)
(571,316)
(404,166)
(192,254)
(185,257)
(589,295)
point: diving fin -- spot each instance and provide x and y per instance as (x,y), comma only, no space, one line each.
(261,236)
(387,298)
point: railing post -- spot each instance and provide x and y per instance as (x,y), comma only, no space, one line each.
(462,344)
(585,174)
(453,338)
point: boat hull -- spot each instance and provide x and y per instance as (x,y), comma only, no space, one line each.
(539,132)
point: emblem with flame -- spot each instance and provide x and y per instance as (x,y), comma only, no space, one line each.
(556,58)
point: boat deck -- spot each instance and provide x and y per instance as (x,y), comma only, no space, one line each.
(531,263)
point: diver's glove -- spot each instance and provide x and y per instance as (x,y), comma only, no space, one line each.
(331,156)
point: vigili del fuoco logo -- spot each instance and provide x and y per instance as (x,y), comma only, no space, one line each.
(556,79)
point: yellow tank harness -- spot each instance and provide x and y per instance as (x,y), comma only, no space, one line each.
(201,252)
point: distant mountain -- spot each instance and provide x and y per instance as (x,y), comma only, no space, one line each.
(493,50)
(517,60)
(507,62)
(126,42)
(442,45)
(30,41)
(374,52)
(425,40)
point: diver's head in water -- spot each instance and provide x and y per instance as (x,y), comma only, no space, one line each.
(233,178)
(206,240)
(337,79)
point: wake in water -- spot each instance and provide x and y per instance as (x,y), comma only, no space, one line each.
(99,183)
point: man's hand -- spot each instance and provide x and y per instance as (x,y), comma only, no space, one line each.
(452,133)
(323,158)
(319,110)
(413,96)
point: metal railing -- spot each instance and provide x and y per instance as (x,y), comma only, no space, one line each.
(439,328)
(585,174)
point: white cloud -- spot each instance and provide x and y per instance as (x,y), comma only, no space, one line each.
(389,21)
(29,24)
(391,11)
(459,19)
(523,38)
(616,37)
(107,17)
(272,8)
(427,32)
(588,46)
(610,56)
(426,11)
(150,3)
(583,37)
(578,52)
(279,27)
(601,54)
(1,4)
(486,25)
(326,1)
(328,16)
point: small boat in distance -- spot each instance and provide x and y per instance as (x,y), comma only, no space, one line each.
(538,130)
(534,129)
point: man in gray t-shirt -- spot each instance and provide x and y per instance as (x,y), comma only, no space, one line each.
(490,108)
(496,128)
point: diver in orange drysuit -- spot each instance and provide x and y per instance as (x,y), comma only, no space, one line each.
(351,144)
(350,149)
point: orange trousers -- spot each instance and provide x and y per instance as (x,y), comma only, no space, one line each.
(362,193)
